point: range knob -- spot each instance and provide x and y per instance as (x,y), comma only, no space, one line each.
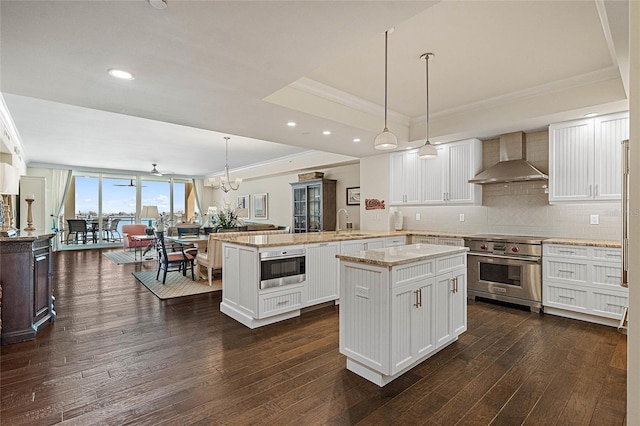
(483,247)
(515,249)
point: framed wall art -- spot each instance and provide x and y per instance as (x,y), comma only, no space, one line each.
(353,196)
(243,206)
(260,206)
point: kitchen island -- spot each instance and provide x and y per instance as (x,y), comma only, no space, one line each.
(244,300)
(270,278)
(399,306)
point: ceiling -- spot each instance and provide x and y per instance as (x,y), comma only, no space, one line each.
(205,70)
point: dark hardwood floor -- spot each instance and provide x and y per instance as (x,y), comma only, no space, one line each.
(118,355)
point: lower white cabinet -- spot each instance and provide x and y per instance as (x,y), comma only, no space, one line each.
(412,322)
(240,266)
(242,298)
(583,282)
(451,316)
(393,319)
(276,301)
(322,270)
(443,241)
(360,245)
(395,241)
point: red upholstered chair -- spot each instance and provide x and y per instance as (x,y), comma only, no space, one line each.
(128,231)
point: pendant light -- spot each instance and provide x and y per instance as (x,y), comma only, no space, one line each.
(427,151)
(386,139)
(225,180)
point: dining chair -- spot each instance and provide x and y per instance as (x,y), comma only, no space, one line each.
(188,230)
(112,229)
(77,227)
(207,259)
(176,260)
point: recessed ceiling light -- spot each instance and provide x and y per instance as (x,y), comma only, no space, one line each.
(356,139)
(291,124)
(591,114)
(125,75)
(326,132)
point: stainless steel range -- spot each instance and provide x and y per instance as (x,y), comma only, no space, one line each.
(506,268)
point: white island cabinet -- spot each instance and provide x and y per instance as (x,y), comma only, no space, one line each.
(399,306)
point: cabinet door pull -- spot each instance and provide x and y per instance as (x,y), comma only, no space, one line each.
(417,304)
(596,191)
(420,293)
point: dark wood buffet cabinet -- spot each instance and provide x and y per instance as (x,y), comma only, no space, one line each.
(27,286)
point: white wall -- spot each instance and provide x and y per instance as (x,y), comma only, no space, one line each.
(279,192)
(374,184)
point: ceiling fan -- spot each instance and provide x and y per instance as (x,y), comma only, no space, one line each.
(155,172)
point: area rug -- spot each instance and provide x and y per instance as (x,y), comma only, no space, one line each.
(176,285)
(124,257)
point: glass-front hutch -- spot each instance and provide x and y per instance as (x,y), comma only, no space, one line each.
(314,205)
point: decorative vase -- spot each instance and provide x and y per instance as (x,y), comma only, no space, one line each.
(149,229)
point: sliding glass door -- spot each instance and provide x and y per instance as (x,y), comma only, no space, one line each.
(100,204)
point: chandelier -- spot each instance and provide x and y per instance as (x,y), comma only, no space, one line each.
(225,180)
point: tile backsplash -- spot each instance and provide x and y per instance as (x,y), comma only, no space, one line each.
(519,208)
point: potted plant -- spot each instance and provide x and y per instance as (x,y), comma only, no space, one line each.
(226,219)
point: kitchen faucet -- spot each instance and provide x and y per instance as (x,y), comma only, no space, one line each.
(338,218)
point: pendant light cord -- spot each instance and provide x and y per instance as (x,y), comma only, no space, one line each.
(386,36)
(426,91)
(426,57)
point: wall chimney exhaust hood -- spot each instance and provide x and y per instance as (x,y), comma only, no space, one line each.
(512,166)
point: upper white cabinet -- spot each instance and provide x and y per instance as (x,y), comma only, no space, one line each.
(442,180)
(404,177)
(585,157)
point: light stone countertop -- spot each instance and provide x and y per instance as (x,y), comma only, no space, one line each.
(274,240)
(583,242)
(394,256)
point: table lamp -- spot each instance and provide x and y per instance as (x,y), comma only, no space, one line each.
(9,178)
(149,212)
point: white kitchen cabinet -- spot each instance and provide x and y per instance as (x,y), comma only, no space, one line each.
(240,266)
(392,318)
(583,282)
(585,158)
(445,179)
(395,241)
(242,298)
(361,245)
(443,241)
(412,322)
(405,186)
(451,314)
(442,180)
(322,269)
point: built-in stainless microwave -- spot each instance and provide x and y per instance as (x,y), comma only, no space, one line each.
(282,267)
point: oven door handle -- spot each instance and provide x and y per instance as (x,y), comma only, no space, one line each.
(531,259)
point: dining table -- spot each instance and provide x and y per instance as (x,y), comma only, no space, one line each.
(198,241)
